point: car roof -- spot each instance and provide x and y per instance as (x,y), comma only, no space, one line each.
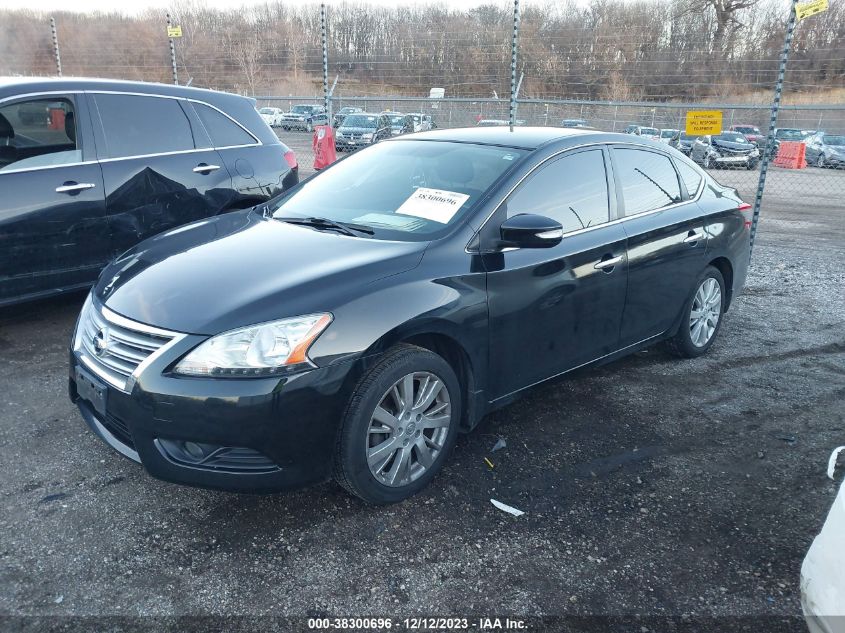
(523,137)
(10,86)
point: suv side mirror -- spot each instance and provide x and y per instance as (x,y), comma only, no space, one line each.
(528,230)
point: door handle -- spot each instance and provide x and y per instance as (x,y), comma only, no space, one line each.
(606,264)
(693,237)
(71,187)
(202,168)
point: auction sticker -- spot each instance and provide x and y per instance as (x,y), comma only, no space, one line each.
(436,205)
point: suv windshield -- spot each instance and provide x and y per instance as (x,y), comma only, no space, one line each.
(834,140)
(731,137)
(360,120)
(404,190)
(302,109)
(397,120)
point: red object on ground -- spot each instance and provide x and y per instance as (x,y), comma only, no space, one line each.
(791,155)
(323,144)
(57,119)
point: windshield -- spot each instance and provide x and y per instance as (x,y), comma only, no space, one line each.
(405,190)
(266,110)
(397,120)
(301,109)
(649,131)
(360,120)
(668,133)
(348,110)
(731,137)
(789,134)
(834,140)
(747,129)
(688,137)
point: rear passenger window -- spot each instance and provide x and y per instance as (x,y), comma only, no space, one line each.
(648,180)
(224,132)
(571,190)
(38,133)
(136,126)
(690,176)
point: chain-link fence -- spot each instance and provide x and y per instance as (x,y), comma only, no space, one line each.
(609,64)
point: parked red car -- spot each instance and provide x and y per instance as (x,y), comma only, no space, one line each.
(751,132)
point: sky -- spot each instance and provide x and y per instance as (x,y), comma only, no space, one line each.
(137,6)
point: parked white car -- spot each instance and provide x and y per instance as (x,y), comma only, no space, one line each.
(667,134)
(823,571)
(273,116)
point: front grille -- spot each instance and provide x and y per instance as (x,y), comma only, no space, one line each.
(113,346)
(726,151)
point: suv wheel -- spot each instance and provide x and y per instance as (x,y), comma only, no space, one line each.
(702,315)
(820,160)
(399,427)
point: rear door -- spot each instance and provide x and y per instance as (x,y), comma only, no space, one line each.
(667,242)
(53,229)
(159,169)
(554,309)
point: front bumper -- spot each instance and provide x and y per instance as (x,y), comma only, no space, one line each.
(350,144)
(295,125)
(278,433)
(735,161)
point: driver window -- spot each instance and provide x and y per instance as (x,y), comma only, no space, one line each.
(571,190)
(38,133)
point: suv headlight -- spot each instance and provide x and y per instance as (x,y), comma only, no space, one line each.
(366,137)
(255,351)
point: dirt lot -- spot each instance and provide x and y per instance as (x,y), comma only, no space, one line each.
(652,486)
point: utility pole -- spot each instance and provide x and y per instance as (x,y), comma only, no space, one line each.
(326,96)
(514,46)
(56,47)
(172,51)
(773,119)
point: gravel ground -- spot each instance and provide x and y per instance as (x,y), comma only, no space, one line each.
(652,486)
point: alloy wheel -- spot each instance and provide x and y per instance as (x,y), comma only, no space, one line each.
(706,312)
(707,161)
(820,161)
(408,429)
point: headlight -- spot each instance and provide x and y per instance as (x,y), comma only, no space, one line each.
(366,137)
(259,350)
(755,152)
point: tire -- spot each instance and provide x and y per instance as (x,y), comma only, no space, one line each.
(706,161)
(309,127)
(685,342)
(820,161)
(383,387)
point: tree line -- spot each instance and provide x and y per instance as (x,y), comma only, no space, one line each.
(606,49)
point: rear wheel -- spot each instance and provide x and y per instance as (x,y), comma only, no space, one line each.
(399,427)
(702,315)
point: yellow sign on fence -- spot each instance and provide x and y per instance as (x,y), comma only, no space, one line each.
(700,122)
(174,31)
(806,9)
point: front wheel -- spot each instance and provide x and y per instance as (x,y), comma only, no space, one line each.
(820,161)
(309,127)
(702,316)
(399,427)
(707,161)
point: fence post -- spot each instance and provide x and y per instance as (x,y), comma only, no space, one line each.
(56,47)
(326,97)
(172,51)
(514,40)
(764,163)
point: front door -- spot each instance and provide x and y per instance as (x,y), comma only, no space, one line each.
(159,169)
(53,230)
(556,308)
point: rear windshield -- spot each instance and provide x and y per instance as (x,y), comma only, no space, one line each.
(652,131)
(404,190)
(266,110)
(360,120)
(834,140)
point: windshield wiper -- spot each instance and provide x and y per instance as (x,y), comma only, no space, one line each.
(346,228)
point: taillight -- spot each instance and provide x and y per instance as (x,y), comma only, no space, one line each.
(290,157)
(747,212)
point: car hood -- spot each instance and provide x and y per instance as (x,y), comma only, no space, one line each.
(732,145)
(365,130)
(239,269)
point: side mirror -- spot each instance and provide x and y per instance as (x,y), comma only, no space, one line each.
(528,230)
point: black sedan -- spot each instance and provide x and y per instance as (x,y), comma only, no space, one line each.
(90,167)
(352,327)
(725,150)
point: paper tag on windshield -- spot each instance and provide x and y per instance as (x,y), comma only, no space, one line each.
(433,204)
